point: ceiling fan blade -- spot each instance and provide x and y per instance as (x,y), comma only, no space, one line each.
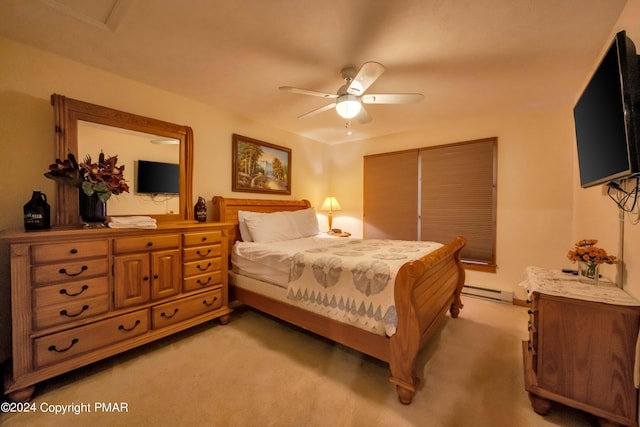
(318,110)
(307,92)
(368,73)
(364,116)
(392,98)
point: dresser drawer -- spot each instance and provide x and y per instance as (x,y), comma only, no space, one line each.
(69,271)
(70,311)
(148,243)
(74,342)
(202,238)
(68,292)
(186,308)
(202,281)
(195,268)
(41,254)
(201,252)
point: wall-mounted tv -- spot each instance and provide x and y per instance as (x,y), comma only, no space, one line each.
(157,178)
(606,117)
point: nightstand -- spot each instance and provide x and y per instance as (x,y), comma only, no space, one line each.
(340,234)
(582,347)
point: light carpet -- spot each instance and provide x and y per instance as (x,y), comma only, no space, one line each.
(258,371)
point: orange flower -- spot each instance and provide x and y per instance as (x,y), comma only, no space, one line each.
(585,250)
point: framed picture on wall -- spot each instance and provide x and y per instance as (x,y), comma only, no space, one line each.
(260,167)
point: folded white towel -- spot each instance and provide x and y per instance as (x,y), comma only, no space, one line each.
(139,225)
(132,220)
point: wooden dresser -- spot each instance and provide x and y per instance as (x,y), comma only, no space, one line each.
(80,295)
(582,347)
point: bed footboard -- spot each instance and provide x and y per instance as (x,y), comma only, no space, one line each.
(425,289)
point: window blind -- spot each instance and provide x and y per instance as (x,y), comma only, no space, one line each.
(458,196)
(390,189)
(435,193)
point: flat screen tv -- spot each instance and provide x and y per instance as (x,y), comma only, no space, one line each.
(157,178)
(606,117)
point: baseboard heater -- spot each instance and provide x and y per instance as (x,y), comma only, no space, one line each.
(488,294)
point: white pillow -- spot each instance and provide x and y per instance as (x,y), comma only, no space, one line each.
(278,226)
(244,231)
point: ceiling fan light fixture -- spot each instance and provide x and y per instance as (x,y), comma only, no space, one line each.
(348,106)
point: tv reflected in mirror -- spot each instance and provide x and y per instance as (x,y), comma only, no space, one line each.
(157,178)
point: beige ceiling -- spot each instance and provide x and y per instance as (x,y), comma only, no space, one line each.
(465,56)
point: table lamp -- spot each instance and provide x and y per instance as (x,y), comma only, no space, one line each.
(330,204)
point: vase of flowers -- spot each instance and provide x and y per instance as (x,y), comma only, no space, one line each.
(96,183)
(589,257)
(93,210)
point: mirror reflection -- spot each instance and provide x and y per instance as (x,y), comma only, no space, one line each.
(131,147)
(71,114)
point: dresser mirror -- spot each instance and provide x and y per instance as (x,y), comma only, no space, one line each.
(85,129)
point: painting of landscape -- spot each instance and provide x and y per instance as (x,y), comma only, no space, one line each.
(260,167)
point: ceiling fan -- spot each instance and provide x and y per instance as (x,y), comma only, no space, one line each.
(351,96)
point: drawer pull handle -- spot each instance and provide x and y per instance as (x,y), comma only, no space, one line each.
(204,239)
(73,251)
(212,301)
(203,268)
(204,283)
(203,255)
(145,278)
(149,244)
(123,328)
(65,292)
(169,316)
(65,313)
(54,348)
(64,271)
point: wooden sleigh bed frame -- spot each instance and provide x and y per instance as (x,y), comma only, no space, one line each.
(425,290)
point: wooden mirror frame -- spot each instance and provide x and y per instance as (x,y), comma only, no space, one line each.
(68,111)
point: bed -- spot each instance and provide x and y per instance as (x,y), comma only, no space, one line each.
(424,290)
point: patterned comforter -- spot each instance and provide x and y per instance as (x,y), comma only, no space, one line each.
(352,280)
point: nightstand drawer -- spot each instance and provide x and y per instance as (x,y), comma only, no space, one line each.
(184,309)
(74,342)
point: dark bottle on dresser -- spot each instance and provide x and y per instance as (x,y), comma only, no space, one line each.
(200,210)
(37,212)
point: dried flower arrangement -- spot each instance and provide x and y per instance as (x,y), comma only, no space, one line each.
(103,178)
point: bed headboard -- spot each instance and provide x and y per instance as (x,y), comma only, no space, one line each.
(226,210)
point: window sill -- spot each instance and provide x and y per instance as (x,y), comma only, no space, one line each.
(488,268)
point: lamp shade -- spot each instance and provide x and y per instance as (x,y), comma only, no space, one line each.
(330,204)
(348,106)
